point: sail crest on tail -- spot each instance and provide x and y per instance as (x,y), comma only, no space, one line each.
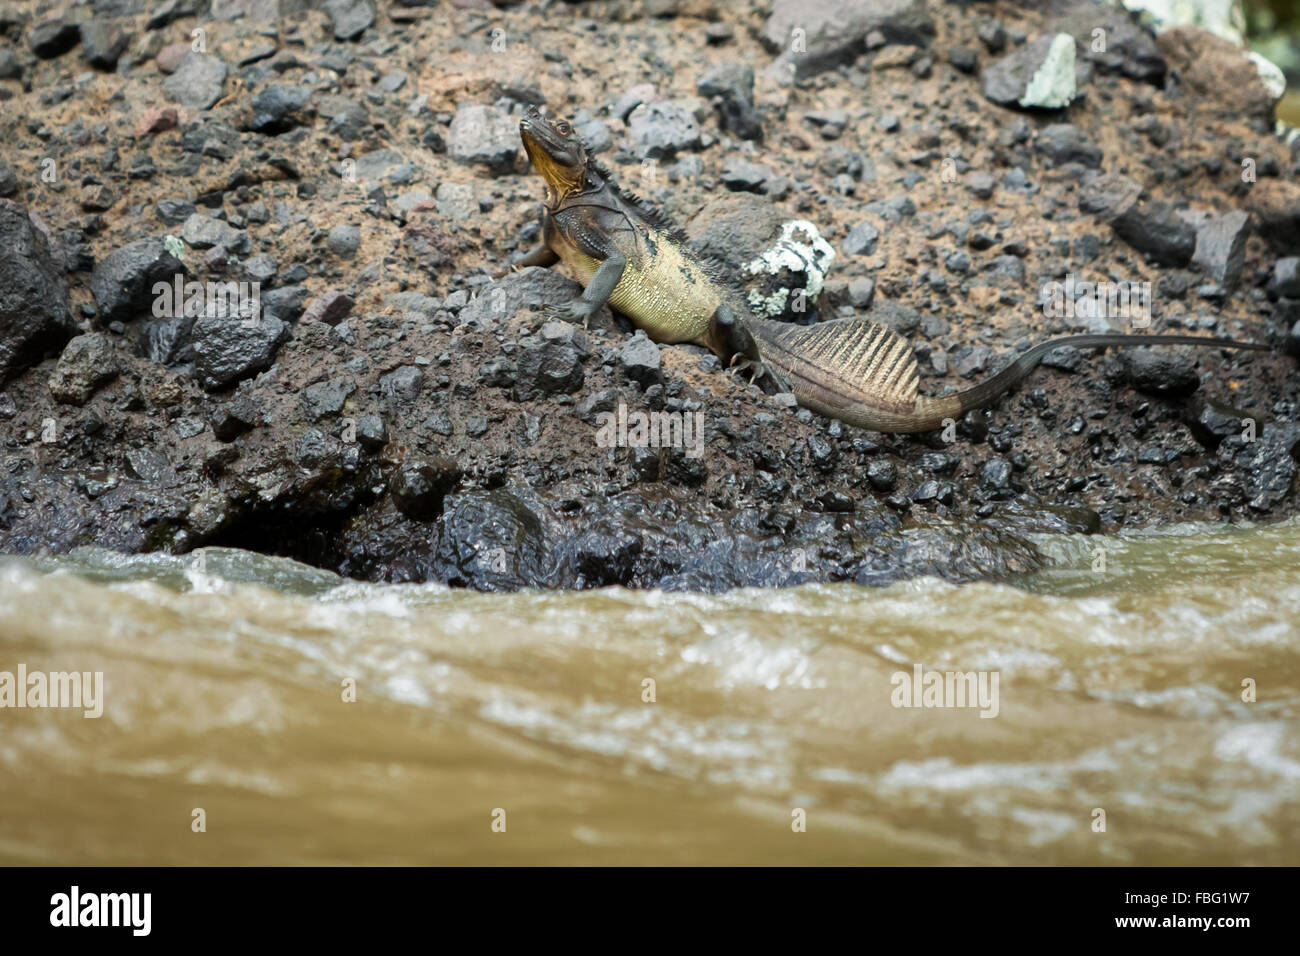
(873,357)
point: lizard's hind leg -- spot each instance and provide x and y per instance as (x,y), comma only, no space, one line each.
(735,345)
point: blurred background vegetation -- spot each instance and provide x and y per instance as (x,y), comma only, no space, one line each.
(1273,31)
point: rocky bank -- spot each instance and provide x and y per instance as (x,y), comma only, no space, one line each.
(392,411)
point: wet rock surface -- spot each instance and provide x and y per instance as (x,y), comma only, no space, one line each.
(390,409)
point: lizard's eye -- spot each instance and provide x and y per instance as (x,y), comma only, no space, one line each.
(563,128)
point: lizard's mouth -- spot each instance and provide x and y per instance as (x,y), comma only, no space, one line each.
(557,155)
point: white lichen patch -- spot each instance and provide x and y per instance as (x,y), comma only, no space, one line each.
(801,248)
(1052,86)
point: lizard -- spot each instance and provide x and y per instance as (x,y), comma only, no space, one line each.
(627,255)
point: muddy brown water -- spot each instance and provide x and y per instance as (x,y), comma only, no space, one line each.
(224,682)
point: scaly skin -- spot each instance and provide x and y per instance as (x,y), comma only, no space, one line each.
(858,371)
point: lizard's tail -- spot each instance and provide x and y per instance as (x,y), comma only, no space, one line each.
(978,396)
(864,373)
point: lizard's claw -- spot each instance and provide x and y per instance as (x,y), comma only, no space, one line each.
(575,310)
(740,364)
(759,374)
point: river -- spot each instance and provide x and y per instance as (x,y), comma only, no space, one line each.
(519,729)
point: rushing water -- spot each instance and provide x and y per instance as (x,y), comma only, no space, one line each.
(224,690)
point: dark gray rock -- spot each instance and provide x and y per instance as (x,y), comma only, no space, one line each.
(278,109)
(169,11)
(1154,228)
(174,212)
(963,58)
(87,362)
(52,38)
(372,433)
(995,475)
(1221,247)
(492,541)
(980,184)
(11,68)
(330,307)
(485,135)
(350,18)
(231,348)
(640,360)
(893,210)
(198,82)
(883,474)
(420,486)
(202,231)
(743,176)
(730,86)
(284,303)
(1063,143)
(993,35)
(834,30)
(326,398)
(1285,280)
(1271,464)
(344,240)
(551,366)
(662,129)
(401,385)
(1007,81)
(102,43)
(123,281)
(1211,422)
(1126,48)
(34,316)
(1109,196)
(1163,372)
(861,240)
(234,418)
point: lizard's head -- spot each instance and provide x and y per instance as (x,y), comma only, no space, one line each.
(556,152)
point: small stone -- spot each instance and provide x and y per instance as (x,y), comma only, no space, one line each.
(1285,280)
(122,282)
(53,38)
(198,81)
(660,130)
(330,307)
(344,240)
(350,18)
(1162,372)
(420,486)
(1040,74)
(155,120)
(1221,247)
(485,135)
(861,240)
(963,58)
(87,362)
(170,57)
(641,361)
(102,43)
(229,348)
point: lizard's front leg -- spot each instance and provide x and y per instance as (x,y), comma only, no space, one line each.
(598,291)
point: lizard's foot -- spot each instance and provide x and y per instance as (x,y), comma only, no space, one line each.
(759,374)
(575,310)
